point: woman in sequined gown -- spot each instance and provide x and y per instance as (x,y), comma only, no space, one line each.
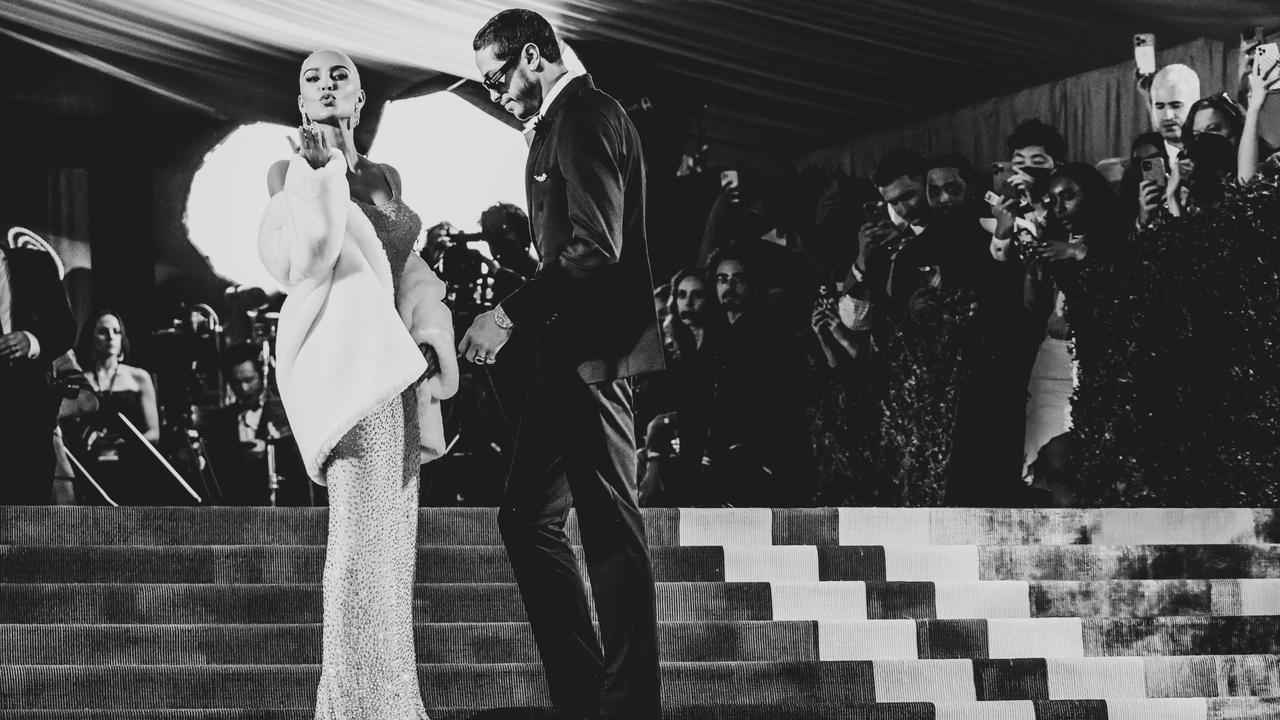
(369,668)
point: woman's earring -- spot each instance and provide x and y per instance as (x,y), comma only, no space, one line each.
(306,119)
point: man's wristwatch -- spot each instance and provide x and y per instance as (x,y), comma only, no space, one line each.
(501,319)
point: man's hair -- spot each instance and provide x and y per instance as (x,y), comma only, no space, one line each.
(511,216)
(1034,132)
(896,164)
(953,160)
(1177,72)
(737,252)
(239,354)
(510,30)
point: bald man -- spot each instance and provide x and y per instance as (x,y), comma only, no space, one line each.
(1173,90)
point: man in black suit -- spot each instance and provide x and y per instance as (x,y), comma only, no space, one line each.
(35,328)
(238,435)
(589,310)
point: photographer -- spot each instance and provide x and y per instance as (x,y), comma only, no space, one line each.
(1035,149)
(238,435)
(506,228)
(1085,226)
(1142,188)
(948,255)
(755,394)
(1252,149)
(748,215)
(901,214)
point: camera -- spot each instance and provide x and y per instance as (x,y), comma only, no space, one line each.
(69,387)
(456,263)
(875,211)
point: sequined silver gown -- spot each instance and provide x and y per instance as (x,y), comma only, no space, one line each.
(369,668)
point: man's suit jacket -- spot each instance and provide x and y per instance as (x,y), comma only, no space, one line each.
(38,306)
(592,297)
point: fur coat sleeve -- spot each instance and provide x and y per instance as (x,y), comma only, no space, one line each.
(346,344)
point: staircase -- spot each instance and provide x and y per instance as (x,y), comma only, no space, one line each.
(867,613)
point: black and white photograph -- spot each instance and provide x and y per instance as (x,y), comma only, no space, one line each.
(669,360)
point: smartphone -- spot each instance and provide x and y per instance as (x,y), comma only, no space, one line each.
(875,211)
(1144,53)
(1000,174)
(728,178)
(1153,169)
(1265,57)
(1039,180)
(931,276)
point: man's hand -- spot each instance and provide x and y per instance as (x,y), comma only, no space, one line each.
(1060,250)
(872,237)
(483,340)
(433,362)
(15,346)
(1005,213)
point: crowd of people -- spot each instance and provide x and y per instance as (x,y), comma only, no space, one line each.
(777,340)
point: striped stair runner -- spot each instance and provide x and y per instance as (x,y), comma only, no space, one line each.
(867,613)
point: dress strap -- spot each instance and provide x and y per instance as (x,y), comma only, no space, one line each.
(391,183)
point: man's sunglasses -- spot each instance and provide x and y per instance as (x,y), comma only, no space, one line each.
(496,80)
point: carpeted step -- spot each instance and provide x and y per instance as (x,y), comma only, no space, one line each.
(294,564)
(718,683)
(815,526)
(440,643)
(705,641)
(160,603)
(1130,562)
(787,563)
(1157,709)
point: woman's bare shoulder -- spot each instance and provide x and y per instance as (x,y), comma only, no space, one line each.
(139,376)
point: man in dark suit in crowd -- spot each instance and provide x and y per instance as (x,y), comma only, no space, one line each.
(590,310)
(35,328)
(238,436)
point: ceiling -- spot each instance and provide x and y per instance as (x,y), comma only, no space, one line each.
(776,77)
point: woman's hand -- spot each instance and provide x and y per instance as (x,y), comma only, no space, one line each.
(313,148)
(1149,195)
(823,315)
(1262,85)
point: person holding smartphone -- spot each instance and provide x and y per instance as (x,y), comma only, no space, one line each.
(1035,149)
(1083,227)
(1143,185)
(901,215)
(1264,78)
